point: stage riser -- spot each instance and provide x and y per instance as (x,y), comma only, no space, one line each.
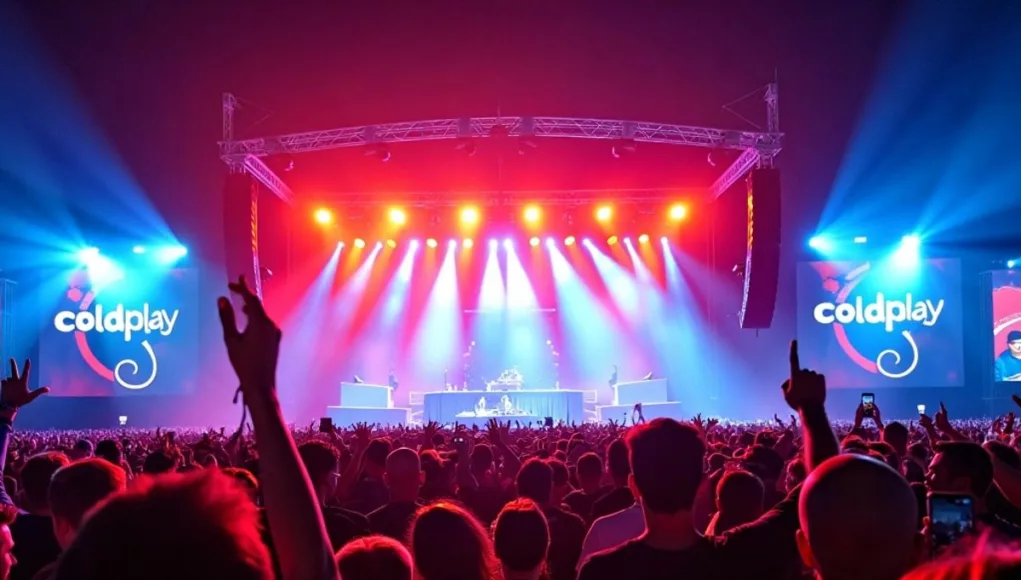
(649,410)
(346,416)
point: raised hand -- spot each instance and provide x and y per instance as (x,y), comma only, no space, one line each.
(253,352)
(712,423)
(14,391)
(428,430)
(941,419)
(493,431)
(804,388)
(776,418)
(1009,427)
(698,423)
(363,435)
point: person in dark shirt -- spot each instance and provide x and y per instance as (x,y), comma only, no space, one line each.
(1008,364)
(403,477)
(964,467)
(620,497)
(666,459)
(590,475)
(567,530)
(488,496)
(35,544)
(370,492)
(322,461)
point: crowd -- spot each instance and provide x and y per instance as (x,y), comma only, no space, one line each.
(793,498)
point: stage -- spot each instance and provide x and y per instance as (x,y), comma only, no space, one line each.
(562,405)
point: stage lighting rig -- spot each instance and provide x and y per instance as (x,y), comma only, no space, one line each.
(604,213)
(397,216)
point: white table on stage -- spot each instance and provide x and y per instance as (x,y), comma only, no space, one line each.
(365,395)
(650,391)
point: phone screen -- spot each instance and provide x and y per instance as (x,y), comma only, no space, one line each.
(868,402)
(951,516)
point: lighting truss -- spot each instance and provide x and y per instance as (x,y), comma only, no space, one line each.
(547,198)
(758,148)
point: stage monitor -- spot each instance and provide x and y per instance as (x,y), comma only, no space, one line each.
(1007,326)
(871,325)
(132,332)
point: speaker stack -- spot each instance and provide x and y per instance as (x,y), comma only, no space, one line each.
(240,227)
(762,260)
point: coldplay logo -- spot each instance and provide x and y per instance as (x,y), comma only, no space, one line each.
(889,313)
(132,325)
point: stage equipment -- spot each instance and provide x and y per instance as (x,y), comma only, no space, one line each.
(762,261)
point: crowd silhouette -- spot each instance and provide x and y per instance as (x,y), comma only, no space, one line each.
(705,498)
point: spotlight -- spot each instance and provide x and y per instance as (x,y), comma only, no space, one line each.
(611,240)
(323,216)
(398,217)
(569,241)
(664,241)
(534,241)
(818,243)
(586,242)
(138,249)
(911,242)
(340,245)
(604,213)
(627,241)
(431,242)
(452,244)
(643,239)
(359,243)
(391,243)
(532,214)
(87,254)
(379,245)
(678,212)
(469,216)
(1011,263)
(467,243)
(171,254)
(550,242)
(493,244)
(861,240)
(413,244)
(508,243)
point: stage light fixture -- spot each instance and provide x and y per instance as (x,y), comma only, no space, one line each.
(604,213)
(391,243)
(627,241)
(468,243)
(532,214)
(323,216)
(340,245)
(819,243)
(861,240)
(398,217)
(452,244)
(678,212)
(431,242)
(611,240)
(493,245)
(643,239)
(171,254)
(508,244)
(569,241)
(1011,263)
(359,243)
(413,244)
(138,249)
(469,216)
(534,241)
(87,254)
(550,242)
(664,241)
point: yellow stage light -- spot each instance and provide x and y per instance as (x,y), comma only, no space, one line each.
(359,243)
(569,241)
(397,216)
(323,216)
(468,243)
(611,240)
(532,214)
(604,213)
(431,242)
(534,241)
(678,212)
(643,239)
(391,243)
(469,216)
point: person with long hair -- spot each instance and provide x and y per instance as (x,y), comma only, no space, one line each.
(448,543)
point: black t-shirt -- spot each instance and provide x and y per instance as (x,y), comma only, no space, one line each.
(567,534)
(611,503)
(581,503)
(393,519)
(764,548)
(344,525)
(34,545)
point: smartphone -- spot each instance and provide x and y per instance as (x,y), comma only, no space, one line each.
(868,403)
(459,440)
(951,517)
(326,425)
(921,409)
(122,420)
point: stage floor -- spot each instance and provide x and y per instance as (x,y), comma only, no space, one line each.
(562,405)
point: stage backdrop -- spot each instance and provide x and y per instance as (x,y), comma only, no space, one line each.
(870,325)
(133,334)
(1006,318)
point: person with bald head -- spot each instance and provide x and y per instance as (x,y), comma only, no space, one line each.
(859,519)
(403,477)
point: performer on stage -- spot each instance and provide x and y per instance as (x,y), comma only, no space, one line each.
(1008,364)
(613,377)
(393,380)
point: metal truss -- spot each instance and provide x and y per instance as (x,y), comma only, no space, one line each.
(548,198)
(479,127)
